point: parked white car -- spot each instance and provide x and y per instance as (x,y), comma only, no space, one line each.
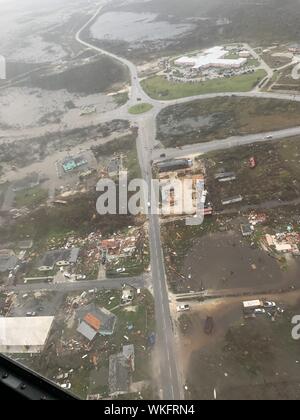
(269,305)
(259,311)
(80,277)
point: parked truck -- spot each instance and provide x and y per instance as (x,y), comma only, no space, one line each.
(251,305)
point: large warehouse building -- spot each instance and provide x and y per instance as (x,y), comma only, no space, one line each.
(213,57)
(24,335)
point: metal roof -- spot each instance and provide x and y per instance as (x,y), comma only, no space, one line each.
(87,331)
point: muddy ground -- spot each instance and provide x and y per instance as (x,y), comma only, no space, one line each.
(226,261)
(253,359)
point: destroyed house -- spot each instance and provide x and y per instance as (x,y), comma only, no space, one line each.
(119,375)
(114,167)
(59,258)
(128,293)
(246,229)
(94,320)
(174,165)
(70,164)
(129,354)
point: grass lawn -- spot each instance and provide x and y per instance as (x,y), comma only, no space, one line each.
(31,198)
(140,109)
(158,87)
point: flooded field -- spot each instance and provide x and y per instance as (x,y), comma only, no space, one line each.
(136,27)
(46,107)
(35,50)
(22,28)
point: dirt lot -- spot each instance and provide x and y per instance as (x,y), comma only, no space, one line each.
(215,256)
(242,359)
(219,118)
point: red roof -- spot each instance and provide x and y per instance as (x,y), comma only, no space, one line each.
(92,321)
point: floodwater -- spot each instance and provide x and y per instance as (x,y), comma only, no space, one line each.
(24,22)
(136,27)
(43,107)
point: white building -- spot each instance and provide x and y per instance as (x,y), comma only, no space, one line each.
(245,54)
(24,335)
(213,57)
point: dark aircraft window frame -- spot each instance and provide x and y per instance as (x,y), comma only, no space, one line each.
(19,383)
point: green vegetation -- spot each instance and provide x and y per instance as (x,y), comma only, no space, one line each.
(79,215)
(31,198)
(158,87)
(121,98)
(131,163)
(3,190)
(97,76)
(253,62)
(276,179)
(219,118)
(140,108)
(125,145)
(232,55)
(119,145)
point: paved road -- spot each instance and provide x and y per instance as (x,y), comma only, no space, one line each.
(171,388)
(169,379)
(170,382)
(228,143)
(136,90)
(138,282)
